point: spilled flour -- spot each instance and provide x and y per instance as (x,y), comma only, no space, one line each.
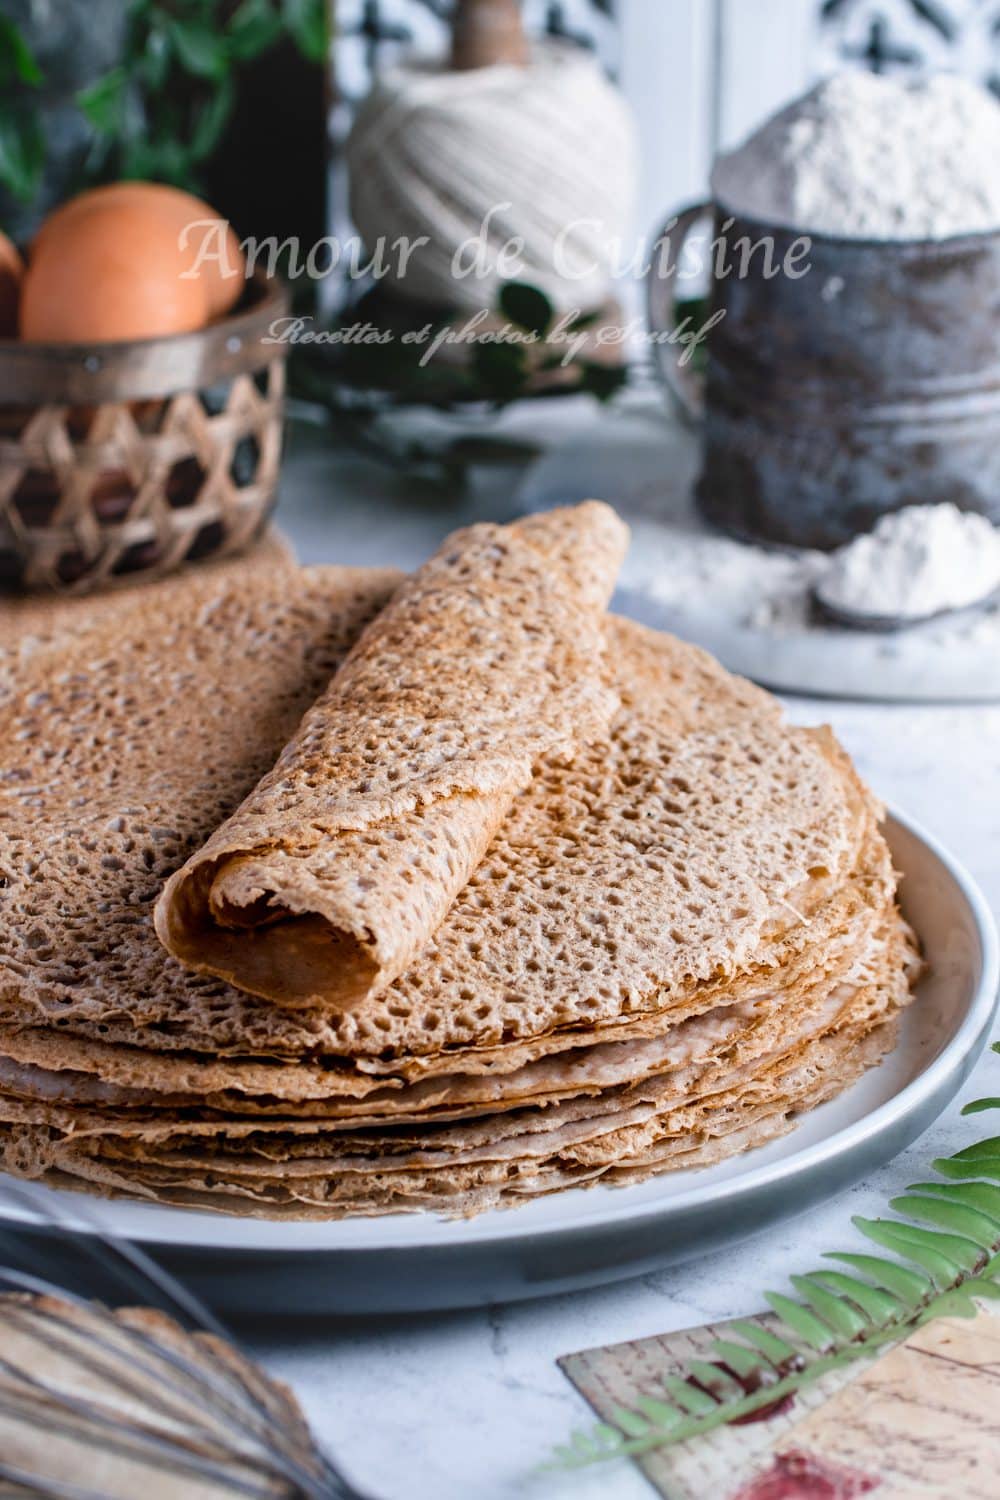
(753,608)
(699,570)
(871,157)
(917,562)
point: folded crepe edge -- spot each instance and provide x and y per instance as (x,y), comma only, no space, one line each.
(234,916)
(224,912)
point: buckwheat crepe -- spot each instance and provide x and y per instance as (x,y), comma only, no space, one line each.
(675,943)
(689,851)
(725,1041)
(28,620)
(713,1101)
(337,869)
(52,1067)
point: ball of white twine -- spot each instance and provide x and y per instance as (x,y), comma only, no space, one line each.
(544,155)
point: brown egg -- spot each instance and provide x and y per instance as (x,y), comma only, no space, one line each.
(11,272)
(113,275)
(223,283)
(109,264)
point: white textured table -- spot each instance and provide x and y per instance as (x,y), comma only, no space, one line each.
(464,1406)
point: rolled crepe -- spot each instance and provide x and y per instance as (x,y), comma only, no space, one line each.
(340,865)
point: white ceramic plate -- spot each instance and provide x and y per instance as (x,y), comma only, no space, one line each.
(591,1235)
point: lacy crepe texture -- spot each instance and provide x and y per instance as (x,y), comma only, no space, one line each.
(682,932)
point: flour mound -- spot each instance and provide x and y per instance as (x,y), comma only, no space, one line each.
(917,562)
(868,157)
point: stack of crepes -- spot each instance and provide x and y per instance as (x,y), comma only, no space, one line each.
(531,897)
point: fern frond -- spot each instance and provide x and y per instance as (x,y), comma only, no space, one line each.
(776,1350)
(949,1211)
(838,1313)
(979,1195)
(911,1287)
(812,1331)
(743,1362)
(946,1249)
(881,1307)
(969,1166)
(945,1257)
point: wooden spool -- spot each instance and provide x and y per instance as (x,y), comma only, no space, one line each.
(135,457)
(486,33)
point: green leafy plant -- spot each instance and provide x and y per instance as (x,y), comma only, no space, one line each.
(397,368)
(946,1254)
(357,383)
(509,371)
(22,146)
(162,111)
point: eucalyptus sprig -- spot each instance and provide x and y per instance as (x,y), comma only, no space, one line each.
(837,1316)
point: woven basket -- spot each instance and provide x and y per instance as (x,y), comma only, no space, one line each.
(138,456)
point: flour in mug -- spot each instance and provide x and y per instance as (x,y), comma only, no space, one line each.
(869,157)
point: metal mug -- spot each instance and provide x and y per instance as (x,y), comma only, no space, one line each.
(867,384)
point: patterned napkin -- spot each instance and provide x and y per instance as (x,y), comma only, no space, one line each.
(917,1422)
